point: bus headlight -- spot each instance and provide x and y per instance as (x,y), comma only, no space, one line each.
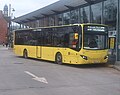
(84,57)
(106,57)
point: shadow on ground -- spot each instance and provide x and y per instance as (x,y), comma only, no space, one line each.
(69,65)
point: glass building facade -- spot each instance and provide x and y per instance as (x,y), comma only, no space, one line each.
(96,13)
(104,12)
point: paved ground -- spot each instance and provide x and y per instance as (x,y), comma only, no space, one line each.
(19,76)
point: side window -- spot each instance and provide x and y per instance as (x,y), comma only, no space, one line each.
(18,39)
(58,37)
(30,38)
(25,37)
(39,38)
(45,37)
(66,40)
(73,40)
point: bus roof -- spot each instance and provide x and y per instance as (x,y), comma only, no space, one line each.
(61,26)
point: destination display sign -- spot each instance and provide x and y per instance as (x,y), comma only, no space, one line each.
(95,28)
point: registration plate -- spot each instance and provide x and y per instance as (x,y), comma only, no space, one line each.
(96,61)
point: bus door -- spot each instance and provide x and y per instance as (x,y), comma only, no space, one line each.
(38,45)
(38,51)
(74,45)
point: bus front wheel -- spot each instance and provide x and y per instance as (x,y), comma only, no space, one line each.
(25,54)
(58,58)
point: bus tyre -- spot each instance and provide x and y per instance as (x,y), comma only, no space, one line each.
(58,58)
(25,54)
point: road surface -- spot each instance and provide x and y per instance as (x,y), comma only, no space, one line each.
(19,76)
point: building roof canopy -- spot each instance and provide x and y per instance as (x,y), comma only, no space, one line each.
(56,7)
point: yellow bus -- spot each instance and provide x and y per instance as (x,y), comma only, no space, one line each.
(72,44)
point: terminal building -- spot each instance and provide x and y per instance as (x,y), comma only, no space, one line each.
(65,12)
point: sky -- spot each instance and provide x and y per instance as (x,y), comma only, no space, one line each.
(23,7)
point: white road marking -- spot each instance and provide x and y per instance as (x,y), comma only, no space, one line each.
(40,79)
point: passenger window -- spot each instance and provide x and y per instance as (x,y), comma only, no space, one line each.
(73,40)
